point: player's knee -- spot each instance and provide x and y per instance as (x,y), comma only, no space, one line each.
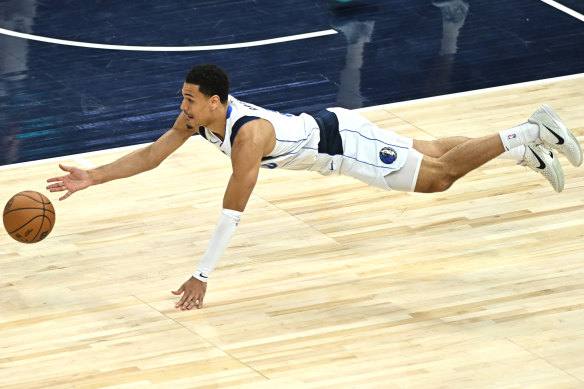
(443,185)
(436,176)
(445,177)
(438,180)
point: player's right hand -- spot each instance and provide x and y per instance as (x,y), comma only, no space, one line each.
(193,291)
(77,179)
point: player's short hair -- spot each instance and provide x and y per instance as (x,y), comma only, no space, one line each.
(211,80)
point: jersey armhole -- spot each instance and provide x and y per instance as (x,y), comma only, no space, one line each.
(238,124)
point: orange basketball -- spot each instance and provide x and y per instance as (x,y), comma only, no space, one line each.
(29,217)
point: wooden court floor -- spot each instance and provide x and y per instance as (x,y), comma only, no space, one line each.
(327,283)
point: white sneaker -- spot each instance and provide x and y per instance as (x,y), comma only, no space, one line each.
(554,134)
(543,161)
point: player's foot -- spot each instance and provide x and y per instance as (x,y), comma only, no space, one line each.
(554,134)
(543,161)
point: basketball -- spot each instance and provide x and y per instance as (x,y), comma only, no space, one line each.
(28,217)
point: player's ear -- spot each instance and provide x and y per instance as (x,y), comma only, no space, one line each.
(215,101)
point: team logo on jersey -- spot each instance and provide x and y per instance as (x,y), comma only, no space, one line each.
(388,155)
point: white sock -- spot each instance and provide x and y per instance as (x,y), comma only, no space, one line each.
(516,154)
(519,135)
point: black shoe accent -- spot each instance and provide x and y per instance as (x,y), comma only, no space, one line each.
(560,139)
(541,162)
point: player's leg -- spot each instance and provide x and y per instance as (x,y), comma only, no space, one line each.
(432,166)
(542,132)
(438,174)
(439,147)
(544,126)
(446,161)
(536,157)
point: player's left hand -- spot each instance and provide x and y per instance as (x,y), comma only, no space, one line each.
(193,292)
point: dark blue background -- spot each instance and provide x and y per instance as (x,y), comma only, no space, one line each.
(60,100)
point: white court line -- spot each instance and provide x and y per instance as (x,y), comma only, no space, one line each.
(81,157)
(169,48)
(471,93)
(84,162)
(565,9)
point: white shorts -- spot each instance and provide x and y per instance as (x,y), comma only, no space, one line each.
(405,179)
(377,157)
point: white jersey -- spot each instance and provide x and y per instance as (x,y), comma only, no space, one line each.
(296,136)
(336,141)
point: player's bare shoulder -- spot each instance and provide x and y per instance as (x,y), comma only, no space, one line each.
(258,132)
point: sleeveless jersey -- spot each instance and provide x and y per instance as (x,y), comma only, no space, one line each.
(333,142)
(296,136)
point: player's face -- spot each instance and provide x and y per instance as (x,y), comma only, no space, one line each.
(196,106)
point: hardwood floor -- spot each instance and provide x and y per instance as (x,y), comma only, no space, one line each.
(326,284)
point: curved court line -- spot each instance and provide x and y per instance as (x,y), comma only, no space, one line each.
(169,48)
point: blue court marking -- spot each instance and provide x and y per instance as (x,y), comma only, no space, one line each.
(58,100)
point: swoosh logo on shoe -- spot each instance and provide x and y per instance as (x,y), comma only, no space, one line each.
(560,139)
(541,162)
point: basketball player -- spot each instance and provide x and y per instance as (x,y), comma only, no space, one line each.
(333,141)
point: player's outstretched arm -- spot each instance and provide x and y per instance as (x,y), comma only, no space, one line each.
(254,140)
(77,179)
(131,164)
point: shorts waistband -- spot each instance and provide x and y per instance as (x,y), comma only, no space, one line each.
(330,138)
